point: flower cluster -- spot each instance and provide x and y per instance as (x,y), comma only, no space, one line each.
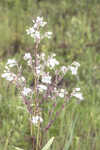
(10,76)
(47,73)
(34,31)
(45,79)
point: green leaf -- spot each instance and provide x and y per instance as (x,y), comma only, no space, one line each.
(17,148)
(47,146)
(68,144)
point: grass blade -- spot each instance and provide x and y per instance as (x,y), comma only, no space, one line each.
(67,145)
(47,146)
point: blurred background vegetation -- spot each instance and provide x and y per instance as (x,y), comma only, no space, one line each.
(76,36)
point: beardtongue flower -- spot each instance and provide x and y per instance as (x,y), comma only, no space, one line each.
(26,91)
(64,69)
(73,70)
(42,88)
(76,93)
(21,79)
(48,35)
(8,76)
(30,31)
(27,56)
(36,119)
(52,62)
(46,78)
(74,67)
(11,62)
(62,93)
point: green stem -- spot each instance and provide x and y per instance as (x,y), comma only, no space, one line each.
(35,95)
(38,134)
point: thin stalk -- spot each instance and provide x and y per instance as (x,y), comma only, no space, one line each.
(35,72)
(38,135)
(31,126)
(36,95)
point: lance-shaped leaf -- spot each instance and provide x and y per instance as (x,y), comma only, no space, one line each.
(47,146)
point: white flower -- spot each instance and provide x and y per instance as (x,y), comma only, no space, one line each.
(33,33)
(34,30)
(7,69)
(55,90)
(21,79)
(53,55)
(26,91)
(43,24)
(42,87)
(64,69)
(36,36)
(76,64)
(39,70)
(74,67)
(27,56)
(35,26)
(33,21)
(77,89)
(9,76)
(48,34)
(78,95)
(52,62)
(30,31)
(36,120)
(46,78)
(11,62)
(42,56)
(29,63)
(40,22)
(61,93)
(73,70)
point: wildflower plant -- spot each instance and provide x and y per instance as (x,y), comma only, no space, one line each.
(47,73)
